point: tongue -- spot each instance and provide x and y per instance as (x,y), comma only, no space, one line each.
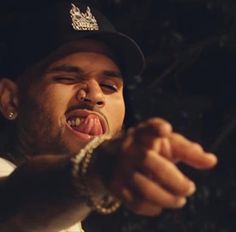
(90,125)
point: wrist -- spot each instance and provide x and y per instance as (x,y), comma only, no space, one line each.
(90,169)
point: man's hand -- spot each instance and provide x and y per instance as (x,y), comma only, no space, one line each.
(146,177)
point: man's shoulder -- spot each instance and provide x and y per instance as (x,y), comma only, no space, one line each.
(6,167)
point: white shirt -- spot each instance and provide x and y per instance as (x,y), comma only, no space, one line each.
(6,168)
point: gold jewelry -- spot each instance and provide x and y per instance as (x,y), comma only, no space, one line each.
(80,165)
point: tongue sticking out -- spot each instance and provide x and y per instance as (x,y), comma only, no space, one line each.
(90,125)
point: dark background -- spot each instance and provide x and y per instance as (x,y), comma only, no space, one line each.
(190,49)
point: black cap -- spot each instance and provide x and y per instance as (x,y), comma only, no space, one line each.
(42,29)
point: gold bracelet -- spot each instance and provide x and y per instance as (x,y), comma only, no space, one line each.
(80,165)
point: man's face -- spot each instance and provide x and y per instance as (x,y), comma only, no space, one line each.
(78,97)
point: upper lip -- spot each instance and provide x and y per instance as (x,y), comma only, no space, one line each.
(84,113)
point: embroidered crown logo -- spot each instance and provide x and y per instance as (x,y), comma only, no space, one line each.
(83,21)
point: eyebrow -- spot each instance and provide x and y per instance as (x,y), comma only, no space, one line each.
(78,70)
(65,68)
(112,73)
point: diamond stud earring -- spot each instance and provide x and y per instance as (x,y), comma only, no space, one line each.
(11,116)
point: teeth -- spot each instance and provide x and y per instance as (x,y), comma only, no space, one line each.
(74,122)
(77,121)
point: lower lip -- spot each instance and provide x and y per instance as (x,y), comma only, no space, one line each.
(81,136)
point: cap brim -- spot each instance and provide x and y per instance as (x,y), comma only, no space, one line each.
(126,50)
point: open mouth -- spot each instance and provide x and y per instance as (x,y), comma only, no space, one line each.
(89,124)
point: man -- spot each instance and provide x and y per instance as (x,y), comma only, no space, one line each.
(65,99)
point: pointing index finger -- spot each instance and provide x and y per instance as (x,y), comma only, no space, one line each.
(191,153)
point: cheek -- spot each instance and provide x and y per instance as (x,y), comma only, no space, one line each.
(53,101)
(116,112)
(57,102)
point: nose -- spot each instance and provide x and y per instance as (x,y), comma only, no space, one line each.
(91,94)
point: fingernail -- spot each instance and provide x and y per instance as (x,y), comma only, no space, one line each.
(192,188)
(181,202)
(212,157)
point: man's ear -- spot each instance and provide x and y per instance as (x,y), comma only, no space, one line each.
(8,98)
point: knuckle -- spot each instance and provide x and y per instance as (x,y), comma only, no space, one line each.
(153,122)
(177,137)
(157,120)
(147,156)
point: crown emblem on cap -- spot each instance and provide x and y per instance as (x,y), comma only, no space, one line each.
(83,21)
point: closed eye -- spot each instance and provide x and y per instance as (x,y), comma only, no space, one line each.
(65,80)
(110,87)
